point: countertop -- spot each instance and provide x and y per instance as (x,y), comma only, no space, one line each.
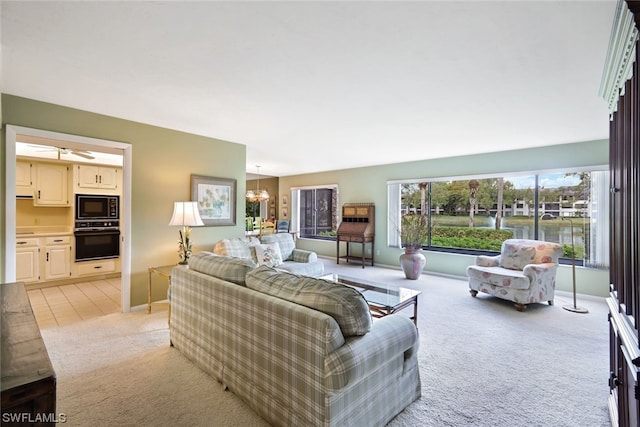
(42,231)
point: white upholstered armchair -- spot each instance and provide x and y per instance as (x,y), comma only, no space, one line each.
(524,272)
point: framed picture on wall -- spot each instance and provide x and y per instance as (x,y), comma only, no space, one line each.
(285,213)
(216,199)
(284,201)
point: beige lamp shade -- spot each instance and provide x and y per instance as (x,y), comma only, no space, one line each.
(186,214)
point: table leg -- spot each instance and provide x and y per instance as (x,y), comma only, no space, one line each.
(149,293)
(169,293)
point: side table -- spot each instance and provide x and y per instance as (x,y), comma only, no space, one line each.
(164,271)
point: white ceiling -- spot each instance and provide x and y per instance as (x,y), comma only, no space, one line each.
(315,86)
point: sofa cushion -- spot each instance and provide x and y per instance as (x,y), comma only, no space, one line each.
(346,305)
(226,268)
(499,277)
(237,247)
(515,256)
(284,240)
(313,269)
(268,255)
(547,252)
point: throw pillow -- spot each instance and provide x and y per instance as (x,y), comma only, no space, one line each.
(268,255)
(346,305)
(284,241)
(236,247)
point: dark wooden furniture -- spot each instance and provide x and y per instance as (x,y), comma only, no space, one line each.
(358,226)
(28,380)
(624,238)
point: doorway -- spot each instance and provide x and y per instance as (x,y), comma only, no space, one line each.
(71,142)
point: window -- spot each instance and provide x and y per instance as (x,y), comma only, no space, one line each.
(472,215)
(317,211)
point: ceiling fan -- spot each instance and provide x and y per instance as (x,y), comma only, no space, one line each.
(62,150)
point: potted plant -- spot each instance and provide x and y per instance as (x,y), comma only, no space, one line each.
(414,231)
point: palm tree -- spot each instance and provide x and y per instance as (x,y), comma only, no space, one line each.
(499,210)
(423,198)
(474,184)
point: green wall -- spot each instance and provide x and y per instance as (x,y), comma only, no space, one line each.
(163,161)
(369,184)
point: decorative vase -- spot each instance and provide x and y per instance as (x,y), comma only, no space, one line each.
(412,262)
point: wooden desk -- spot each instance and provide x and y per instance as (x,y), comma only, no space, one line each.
(28,380)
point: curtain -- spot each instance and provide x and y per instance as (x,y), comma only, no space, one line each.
(599,227)
(393,224)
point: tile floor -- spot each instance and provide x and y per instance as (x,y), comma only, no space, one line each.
(61,305)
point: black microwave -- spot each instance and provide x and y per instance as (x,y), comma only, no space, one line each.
(97,207)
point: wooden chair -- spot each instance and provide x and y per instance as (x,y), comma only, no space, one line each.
(282,227)
(267,227)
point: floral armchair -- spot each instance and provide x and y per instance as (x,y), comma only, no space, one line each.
(524,272)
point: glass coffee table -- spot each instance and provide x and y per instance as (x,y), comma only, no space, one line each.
(382,299)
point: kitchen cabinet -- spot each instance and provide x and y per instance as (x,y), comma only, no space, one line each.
(24,179)
(57,254)
(102,177)
(27,260)
(52,185)
(106,266)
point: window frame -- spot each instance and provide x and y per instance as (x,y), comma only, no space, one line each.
(394,199)
(295,209)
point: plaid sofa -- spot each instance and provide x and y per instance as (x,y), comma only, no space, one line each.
(293,365)
(298,261)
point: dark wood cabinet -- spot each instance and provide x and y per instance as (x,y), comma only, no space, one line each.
(624,168)
(28,379)
(357,226)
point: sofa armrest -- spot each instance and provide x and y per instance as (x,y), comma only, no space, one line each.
(391,337)
(541,273)
(540,269)
(300,255)
(488,261)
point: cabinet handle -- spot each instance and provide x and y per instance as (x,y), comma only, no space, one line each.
(98,267)
(47,256)
(58,240)
(96,179)
(21,243)
(100,179)
(38,194)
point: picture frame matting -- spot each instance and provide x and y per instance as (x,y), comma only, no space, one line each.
(216,199)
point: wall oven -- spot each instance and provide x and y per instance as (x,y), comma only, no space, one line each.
(97,227)
(97,240)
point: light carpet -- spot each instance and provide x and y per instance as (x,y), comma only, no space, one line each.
(482,363)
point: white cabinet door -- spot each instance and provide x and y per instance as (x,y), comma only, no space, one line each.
(57,258)
(24,179)
(102,177)
(88,176)
(108,178)
(52,187)
(27,260)
(23,174)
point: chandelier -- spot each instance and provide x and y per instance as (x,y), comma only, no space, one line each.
(258,195)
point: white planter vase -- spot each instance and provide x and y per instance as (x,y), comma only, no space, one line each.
(412,262)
